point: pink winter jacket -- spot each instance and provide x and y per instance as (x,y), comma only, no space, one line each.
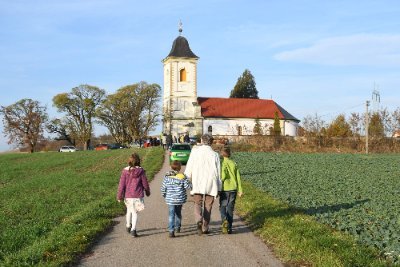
(133,183)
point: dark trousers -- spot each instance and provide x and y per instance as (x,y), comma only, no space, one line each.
(226,206)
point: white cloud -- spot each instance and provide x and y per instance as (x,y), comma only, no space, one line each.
(356,50)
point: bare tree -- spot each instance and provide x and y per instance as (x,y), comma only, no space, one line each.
(395,119)
(355,123)
(386,122)
(313,125)
(24,122)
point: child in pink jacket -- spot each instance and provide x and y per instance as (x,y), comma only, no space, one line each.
(132,187)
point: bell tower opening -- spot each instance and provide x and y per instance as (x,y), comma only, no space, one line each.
(182,75)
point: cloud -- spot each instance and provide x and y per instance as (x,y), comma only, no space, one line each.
(354,50)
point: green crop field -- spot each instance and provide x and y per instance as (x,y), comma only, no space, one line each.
(357,194)
(52,205)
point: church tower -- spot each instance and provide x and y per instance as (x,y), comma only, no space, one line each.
(180,109)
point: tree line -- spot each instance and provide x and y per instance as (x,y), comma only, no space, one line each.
(129,113)
(382,123)
(132,112)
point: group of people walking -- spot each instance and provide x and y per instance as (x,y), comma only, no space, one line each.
(167,140)
(208,174)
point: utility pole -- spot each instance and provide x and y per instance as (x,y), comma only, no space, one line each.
(366,126)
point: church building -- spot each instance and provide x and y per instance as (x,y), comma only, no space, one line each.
(185,112)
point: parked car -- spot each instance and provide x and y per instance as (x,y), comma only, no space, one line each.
(67,149)
(116,146)
(180,152)
(101,147)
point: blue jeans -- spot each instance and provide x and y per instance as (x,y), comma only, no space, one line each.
(175,217)
(226,206)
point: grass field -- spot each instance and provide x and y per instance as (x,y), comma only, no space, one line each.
(52,205)
(356,194)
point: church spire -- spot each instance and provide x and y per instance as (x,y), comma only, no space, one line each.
(180,28)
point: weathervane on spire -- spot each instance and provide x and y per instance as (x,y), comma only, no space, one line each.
(180,27)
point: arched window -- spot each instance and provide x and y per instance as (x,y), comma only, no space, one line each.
(182,75)
(210,129)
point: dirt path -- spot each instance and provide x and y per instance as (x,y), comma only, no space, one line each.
(154,248)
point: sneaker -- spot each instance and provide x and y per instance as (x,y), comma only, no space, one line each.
(225,227)
(199,228)
(128,228)
(171,234)
(206,232)
(134,234)
(178,230)
(229,231)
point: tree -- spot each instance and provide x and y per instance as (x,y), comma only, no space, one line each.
(24,122)
(277,124)
(80,107)
(313,125)
(131,112)
(114,116)
(386,120)
(257,130)
(376,127)
(355,123)
(245,86)
(339,127)
(62,128)
(395,120)
(300,131)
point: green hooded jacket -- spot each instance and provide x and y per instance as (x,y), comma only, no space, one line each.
(230,176)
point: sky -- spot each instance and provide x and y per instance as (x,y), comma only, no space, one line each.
(309,56)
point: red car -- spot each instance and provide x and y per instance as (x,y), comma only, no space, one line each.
(101,147)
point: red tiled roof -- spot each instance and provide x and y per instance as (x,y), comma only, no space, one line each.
(241,108)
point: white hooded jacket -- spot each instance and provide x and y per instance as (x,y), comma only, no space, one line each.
(203,168)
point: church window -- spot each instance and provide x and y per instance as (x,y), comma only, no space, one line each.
(182,75)
(210,129)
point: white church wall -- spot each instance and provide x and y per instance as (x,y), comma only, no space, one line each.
(167,88)
(183,108)
(180,127)
(291,128)
(231,126)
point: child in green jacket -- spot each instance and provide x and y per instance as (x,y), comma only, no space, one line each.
(231,186)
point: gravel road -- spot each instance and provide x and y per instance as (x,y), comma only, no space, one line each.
(153,247)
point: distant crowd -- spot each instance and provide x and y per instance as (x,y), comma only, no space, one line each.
(165,140)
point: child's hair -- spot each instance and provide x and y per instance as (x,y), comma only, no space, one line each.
(176,165)
(134,160)
(226,152)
